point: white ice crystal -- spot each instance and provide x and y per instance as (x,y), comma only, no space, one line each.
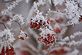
(19,18)
(41,2)
(72,11)
(75,34)
(56,2)
(6,34)
(10,7)
(46,31)
(23,35)
(66,39)
(38,17)
(75,52)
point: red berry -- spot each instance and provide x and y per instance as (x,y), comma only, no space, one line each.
(25,53)
(3,51)
(60,51)
(57,30)
(80,19)
(11,51)
(38,26)
(7,51)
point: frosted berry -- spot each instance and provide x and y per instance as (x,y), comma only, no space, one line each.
(47,40)
(35,25)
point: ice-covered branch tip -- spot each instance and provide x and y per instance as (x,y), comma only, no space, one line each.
(72,36)
(19,18)
(69,40)
(10,7)
(6,35)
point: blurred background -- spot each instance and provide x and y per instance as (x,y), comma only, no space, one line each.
(29,47)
